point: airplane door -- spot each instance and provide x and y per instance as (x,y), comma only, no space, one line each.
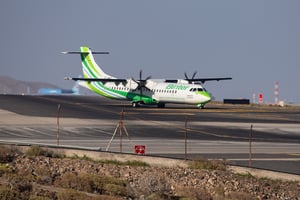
(190,95)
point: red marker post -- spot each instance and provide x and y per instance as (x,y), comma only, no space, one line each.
(140,149)
(260,98)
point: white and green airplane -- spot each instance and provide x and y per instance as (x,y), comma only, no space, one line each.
(142,91)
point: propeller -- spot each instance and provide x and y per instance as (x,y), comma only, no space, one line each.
(190,79)
(141,83)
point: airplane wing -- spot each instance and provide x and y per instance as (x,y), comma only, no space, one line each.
(202,80)
(96,79)
(133,84)
(103,80)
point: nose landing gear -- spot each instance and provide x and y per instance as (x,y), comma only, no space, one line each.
(200,106)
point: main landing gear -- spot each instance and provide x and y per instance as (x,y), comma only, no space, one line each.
(161,105)
(135,104)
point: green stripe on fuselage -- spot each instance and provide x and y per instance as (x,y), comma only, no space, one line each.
(88,64)
(206,94)
(131,96)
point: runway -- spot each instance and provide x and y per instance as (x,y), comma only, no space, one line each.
(219,131)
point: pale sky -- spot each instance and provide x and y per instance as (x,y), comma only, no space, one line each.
(255,42)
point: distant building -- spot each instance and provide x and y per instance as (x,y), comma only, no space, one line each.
(45,91)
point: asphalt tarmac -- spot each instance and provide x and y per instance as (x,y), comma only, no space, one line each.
(219,131)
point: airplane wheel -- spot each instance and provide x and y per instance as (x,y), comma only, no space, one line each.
(135,104)
(161,105)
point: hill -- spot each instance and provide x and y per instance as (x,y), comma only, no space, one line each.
(9,85)
(42,174)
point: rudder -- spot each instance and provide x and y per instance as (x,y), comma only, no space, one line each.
(89,66)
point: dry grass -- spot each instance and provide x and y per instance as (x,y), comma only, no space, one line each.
(7,153)
(189,193)
(36,150)
(208,164)
(92,184)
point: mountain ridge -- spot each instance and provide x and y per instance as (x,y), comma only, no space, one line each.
(9,85)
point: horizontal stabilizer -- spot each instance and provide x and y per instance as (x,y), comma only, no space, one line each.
(78,52)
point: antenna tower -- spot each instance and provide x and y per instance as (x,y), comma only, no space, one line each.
(276,93)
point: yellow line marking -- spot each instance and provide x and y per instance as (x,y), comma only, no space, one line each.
(294,154)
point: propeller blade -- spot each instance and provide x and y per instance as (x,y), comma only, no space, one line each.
(190,79)
(134,80)
(141,72)
(149,77)
(141,84)
(194,74)
(185,75)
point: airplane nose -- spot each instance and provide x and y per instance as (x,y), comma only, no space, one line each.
(206,96)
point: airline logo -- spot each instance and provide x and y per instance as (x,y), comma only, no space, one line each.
(176,87)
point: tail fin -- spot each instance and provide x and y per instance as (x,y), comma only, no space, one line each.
(89,67)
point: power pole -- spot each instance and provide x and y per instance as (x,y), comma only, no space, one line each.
(121,128)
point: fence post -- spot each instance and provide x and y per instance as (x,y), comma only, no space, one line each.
(57,117)
(185,138)
(250,145)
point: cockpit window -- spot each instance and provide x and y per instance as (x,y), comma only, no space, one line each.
(197,90)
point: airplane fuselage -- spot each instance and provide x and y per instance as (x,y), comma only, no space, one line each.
(156,92)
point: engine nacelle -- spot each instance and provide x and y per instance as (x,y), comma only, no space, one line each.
(182,81)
